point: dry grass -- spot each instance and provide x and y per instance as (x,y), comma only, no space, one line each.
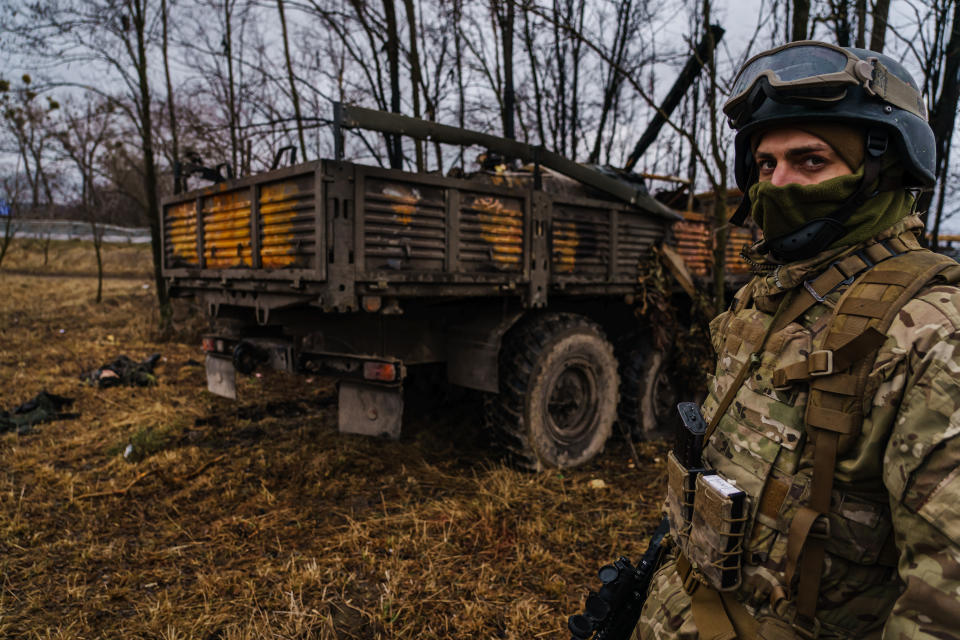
(256,519)
(75,257)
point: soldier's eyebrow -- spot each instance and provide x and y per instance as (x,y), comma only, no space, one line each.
(795,152)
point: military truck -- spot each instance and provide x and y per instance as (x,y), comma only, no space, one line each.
(523,282)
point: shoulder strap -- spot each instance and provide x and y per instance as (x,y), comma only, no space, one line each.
(798,301)
(838,375)
(844,271)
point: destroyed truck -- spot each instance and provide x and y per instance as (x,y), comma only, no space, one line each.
(521,282)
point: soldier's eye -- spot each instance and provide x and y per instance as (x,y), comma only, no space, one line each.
(813,162)
(766,165)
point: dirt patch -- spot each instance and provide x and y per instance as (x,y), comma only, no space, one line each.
(255,518)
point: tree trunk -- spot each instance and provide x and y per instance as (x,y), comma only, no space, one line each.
(560,89)
(692,163)
(506,27)
(97,248)
(394,149)
(231,92)
(415,77)
(575,84)
(178,185)
(612,85)
(938,218)
(9,231)
(149,162)
(294,95)
(944,113)
(860,8)
(801,19)
(535,75)
(878,34)
(458,55)
(721,223)
(841,21)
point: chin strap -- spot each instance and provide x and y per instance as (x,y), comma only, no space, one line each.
(743,209)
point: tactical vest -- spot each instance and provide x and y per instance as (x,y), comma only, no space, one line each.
(787,405)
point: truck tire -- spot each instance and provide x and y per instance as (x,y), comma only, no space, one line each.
(648,398)
(558,392)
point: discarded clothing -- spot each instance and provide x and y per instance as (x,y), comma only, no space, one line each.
(124,371)
(45,407)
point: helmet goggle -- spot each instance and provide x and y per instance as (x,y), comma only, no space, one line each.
(814,74)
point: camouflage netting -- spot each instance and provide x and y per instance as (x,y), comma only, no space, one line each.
(678,325)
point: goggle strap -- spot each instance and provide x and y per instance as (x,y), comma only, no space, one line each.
(889,88)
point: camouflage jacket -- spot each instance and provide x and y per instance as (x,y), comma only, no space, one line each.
(893,552)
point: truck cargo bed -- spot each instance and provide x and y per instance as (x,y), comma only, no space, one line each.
(330,233)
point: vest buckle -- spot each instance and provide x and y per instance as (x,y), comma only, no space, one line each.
(820,363)
(812,291)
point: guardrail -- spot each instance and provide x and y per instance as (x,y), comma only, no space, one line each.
(77,230)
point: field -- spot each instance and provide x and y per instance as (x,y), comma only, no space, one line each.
(256,519)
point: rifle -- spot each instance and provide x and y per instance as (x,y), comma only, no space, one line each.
(612,612)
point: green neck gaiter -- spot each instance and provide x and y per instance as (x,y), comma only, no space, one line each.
(782,210)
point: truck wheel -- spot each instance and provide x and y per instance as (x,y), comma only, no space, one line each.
(558,392)
(648,398)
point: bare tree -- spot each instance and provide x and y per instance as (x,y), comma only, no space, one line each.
(506,17)
(933,40)
(624,32)
(26,120)
(83,135)
(294,94)
(116,39)
(171,109)
(943,114)
(392,44)
(801,20)
(10,198)
(878,34)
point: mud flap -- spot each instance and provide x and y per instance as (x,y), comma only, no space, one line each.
(221,376)
(370,410)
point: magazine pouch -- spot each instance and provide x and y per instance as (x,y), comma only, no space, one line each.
(715,541)
(681,487)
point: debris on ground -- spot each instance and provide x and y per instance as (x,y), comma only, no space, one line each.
(124,371)
(44,407)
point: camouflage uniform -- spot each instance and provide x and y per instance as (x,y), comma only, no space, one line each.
(893,554)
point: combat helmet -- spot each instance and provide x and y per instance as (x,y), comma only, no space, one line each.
(809,80)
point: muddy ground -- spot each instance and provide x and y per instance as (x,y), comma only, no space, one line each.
(256,519)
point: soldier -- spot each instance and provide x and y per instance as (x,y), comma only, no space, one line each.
(834,413)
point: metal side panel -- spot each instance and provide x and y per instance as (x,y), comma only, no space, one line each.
(180,235)
(580,239)
(404,226)
(226,229)
(491,233)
